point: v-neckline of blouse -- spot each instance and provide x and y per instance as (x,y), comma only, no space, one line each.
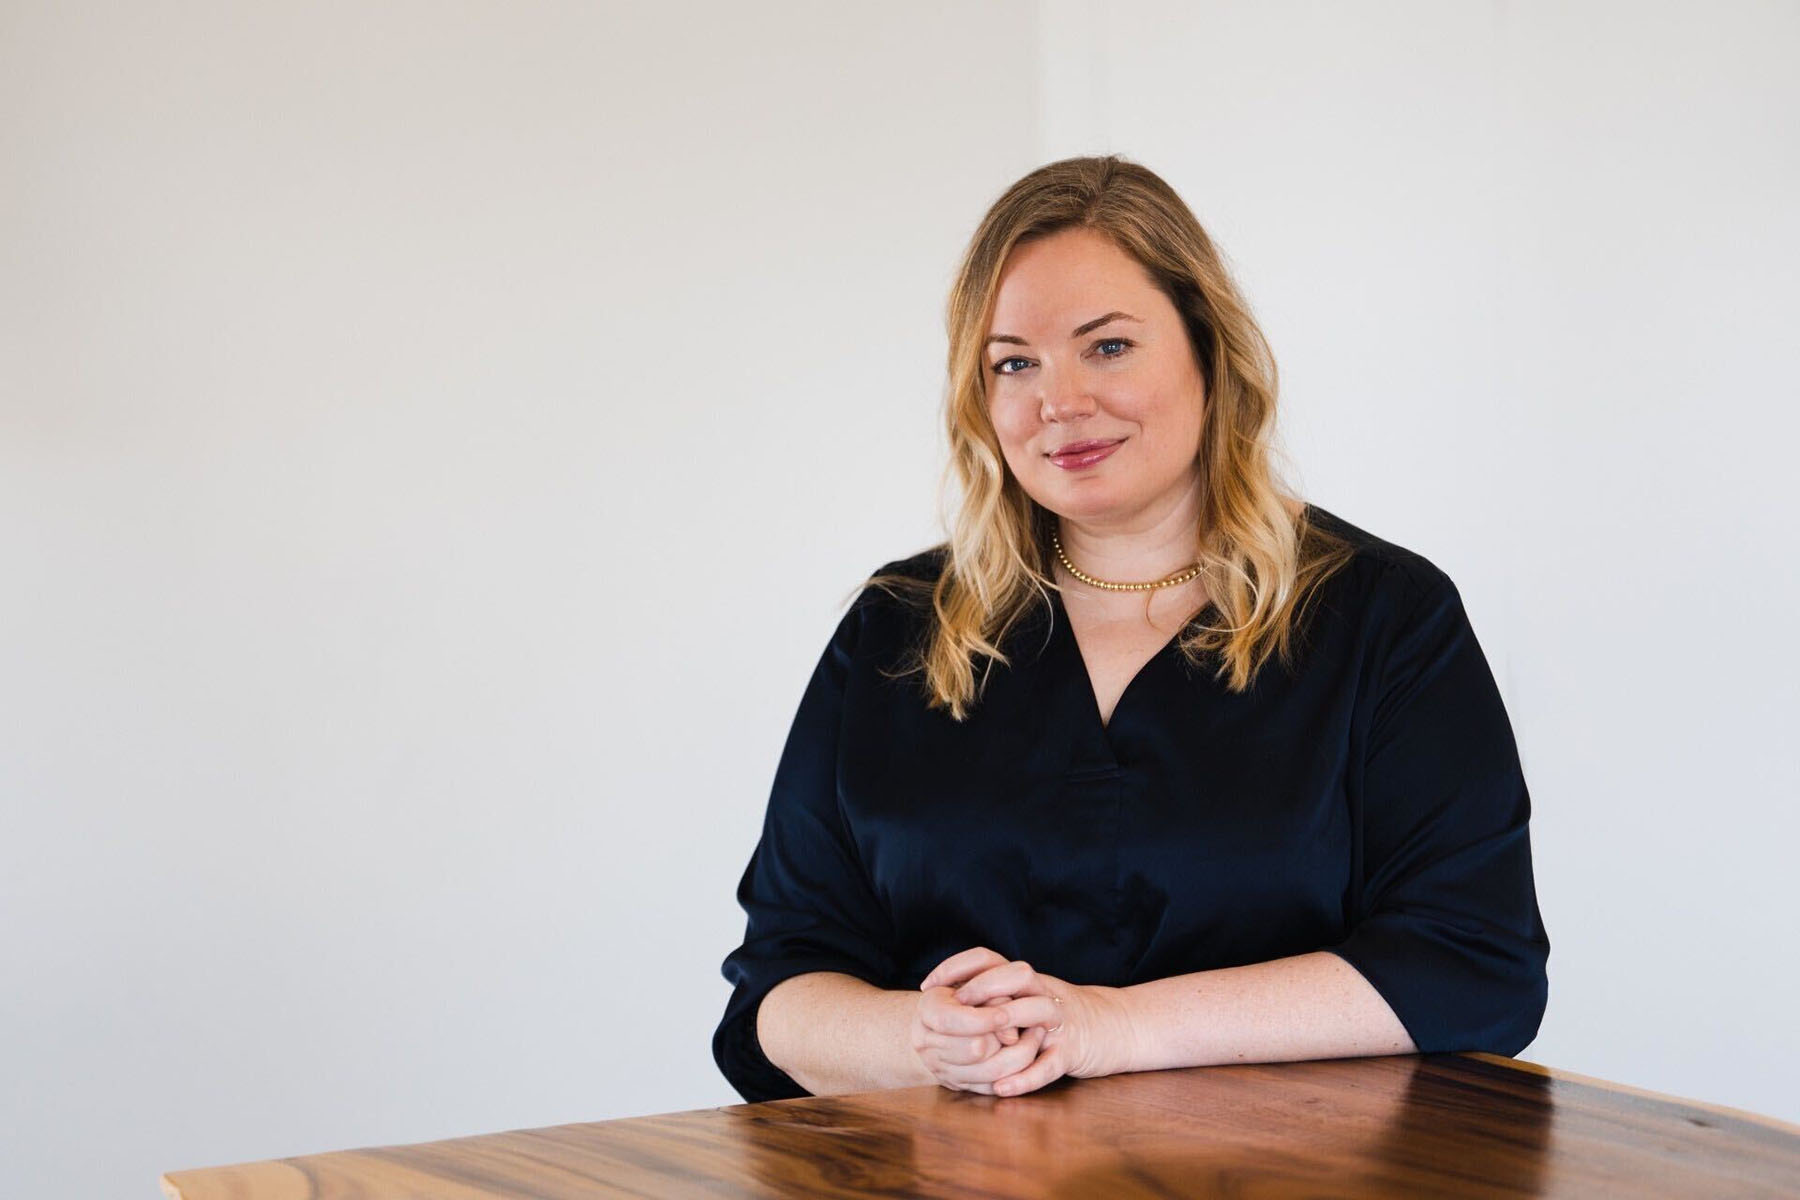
(1089,699)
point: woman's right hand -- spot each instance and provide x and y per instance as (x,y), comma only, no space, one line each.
(967,1047)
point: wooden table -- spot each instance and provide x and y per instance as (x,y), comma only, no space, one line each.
(1450,1125)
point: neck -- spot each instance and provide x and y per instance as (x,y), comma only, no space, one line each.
(1140,548)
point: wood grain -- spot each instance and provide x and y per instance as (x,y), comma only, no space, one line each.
(1448,1125)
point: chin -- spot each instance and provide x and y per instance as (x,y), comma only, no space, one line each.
(1085,504)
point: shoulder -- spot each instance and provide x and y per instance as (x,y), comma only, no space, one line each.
(888,613)
(904,584)
(1380,569)
(893,601)
(1395,607)
(926,566)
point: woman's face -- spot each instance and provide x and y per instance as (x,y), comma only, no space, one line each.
(1084,347)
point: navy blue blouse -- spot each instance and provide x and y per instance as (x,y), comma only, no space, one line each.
(1369,801)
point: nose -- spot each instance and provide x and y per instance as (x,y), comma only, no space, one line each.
(1064,398)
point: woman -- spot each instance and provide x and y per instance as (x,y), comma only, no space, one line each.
(1151,764)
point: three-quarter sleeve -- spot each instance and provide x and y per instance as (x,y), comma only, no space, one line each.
(807,897)
(1446,925)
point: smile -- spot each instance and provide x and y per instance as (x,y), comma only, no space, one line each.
(1084,454)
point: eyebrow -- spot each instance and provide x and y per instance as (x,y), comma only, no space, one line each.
(1089,327)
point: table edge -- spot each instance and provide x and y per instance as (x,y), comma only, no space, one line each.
(172,1191)
(1559,1073)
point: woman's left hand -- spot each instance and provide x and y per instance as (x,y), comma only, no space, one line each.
(1093,1039)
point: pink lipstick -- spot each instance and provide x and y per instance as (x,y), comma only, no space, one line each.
(1078,455)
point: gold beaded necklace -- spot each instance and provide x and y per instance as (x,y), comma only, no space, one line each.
(1068,566)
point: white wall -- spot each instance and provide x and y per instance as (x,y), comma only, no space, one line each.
(1530,270)
(435,439)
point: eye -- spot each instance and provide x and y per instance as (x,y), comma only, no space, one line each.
(1124,345)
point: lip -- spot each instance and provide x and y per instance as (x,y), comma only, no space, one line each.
(1082,447)
(1077,455)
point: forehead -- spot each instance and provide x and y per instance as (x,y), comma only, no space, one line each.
(1050,279)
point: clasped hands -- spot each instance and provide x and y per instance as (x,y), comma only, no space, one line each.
(983,1022)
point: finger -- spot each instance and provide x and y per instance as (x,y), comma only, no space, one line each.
(1001,1062)
(1010,1060)
(1001,979)
(985,1089)
(942,1013)
(955,968)
(960,966)
(1047,1069)
(1010,1034)
(966,1051)
(980,1079)
(1035,1010)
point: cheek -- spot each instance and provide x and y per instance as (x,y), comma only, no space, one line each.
(1176,423)
(1012,426)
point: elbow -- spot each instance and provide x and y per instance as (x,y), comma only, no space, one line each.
(1496,1009)
(1516,1024)
(771,1024)
(738,1050)
(1532,1006)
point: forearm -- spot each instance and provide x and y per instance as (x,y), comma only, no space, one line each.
(1308,1006)
(834,1033)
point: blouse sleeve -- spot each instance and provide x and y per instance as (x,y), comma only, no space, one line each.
(808,900)
(1447,926)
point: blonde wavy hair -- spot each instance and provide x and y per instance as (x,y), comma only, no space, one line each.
(1260,557)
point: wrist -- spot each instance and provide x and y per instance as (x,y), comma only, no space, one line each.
(909,1070)
(1117,1028)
